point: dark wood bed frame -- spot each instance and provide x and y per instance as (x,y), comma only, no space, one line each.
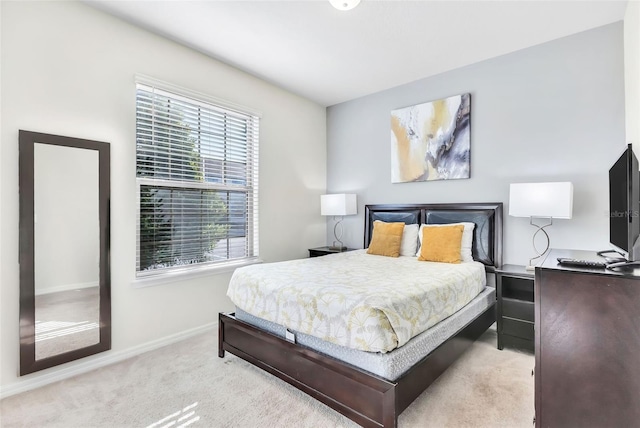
(367,399)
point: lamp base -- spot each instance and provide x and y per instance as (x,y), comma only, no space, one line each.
(337,248)
(539,254)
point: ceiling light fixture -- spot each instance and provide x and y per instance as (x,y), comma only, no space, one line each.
(344,4)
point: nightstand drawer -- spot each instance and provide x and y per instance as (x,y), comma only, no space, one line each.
(518,343)
(522,329)
(517,288)
(317,253)
(518,309)
(323,251)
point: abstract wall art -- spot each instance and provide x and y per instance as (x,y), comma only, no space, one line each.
(431,141)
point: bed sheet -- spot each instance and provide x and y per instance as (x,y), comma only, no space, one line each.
(354,299)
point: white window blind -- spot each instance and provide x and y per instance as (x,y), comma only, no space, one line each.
(197,174)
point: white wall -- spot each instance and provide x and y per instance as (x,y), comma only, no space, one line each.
(553,112)
(1,196)
(69,69)
(632,73)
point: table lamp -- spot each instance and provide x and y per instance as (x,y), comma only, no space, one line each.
(338,206)
(541,200)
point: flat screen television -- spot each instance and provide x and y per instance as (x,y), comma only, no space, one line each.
(624,206)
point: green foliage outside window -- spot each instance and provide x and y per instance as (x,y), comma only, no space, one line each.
(178,225)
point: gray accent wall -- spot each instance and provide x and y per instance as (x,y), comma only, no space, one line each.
(552,112)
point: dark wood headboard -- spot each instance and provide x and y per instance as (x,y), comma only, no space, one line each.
(487,235)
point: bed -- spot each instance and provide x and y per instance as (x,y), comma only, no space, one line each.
(355,389)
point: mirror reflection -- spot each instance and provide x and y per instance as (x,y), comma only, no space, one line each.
(67,249)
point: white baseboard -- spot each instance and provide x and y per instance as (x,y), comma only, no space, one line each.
(77,367)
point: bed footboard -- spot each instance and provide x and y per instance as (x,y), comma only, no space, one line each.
(362,397)
(365,398)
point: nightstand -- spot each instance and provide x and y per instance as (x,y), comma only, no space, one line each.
(323,251)
(515,307)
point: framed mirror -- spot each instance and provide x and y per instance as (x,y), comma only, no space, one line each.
(65,284)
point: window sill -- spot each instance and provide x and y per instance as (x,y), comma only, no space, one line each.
(167,278)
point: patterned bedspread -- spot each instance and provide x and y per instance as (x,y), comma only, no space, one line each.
(371,303)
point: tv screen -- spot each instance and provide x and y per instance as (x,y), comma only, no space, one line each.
(624,205)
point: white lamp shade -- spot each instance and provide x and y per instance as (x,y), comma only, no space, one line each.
(553,200)
(340,204)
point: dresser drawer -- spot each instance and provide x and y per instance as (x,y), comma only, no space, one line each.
(517,309)
(522,329)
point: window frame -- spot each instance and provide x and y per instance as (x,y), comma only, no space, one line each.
(250,188)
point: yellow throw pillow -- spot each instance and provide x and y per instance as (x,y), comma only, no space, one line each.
(386,239)
(441,244)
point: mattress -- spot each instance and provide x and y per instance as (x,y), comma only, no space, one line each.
(390,365)
(354,299)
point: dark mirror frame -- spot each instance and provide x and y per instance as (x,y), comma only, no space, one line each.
(27,140)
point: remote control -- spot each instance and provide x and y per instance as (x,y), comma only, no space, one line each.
(582,263)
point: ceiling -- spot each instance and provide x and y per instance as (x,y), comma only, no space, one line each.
(331,56)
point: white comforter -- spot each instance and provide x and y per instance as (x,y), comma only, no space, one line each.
(371,303)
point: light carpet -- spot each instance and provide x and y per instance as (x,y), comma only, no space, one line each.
(186,384)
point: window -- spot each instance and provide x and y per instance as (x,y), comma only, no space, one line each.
(197,170)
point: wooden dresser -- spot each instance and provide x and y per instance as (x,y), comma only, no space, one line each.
(587,341)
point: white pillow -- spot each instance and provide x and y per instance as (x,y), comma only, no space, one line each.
(465,245)
(409,240)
